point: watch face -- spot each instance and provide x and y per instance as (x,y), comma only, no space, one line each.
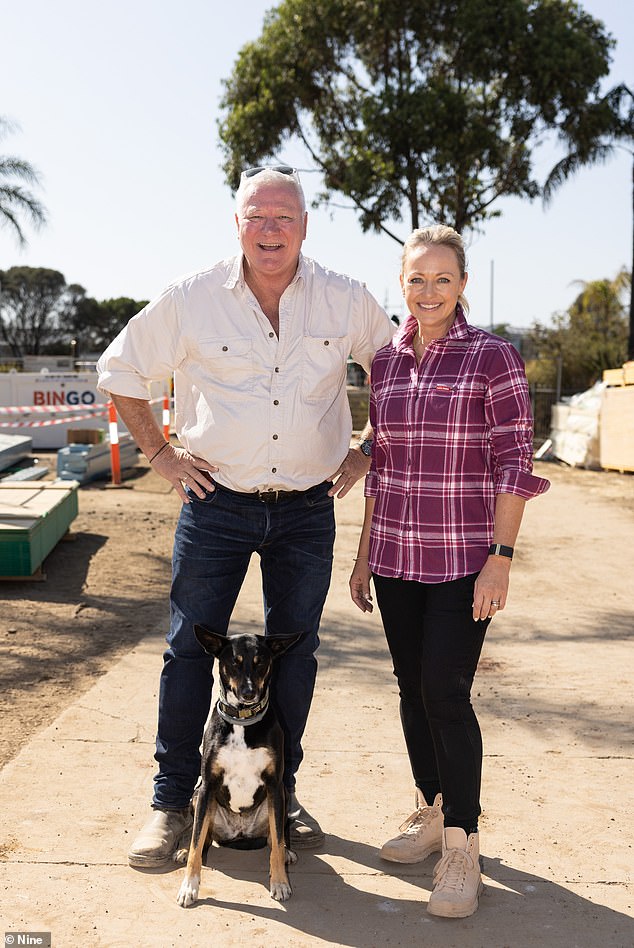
(366,447)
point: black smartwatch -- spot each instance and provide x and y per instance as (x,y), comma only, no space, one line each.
(497,549)
(366,447)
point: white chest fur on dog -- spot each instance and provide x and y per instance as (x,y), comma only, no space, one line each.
(243,767)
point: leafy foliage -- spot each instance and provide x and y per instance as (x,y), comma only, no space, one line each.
(433,106)
(40,312)
(33,301)
(590,337)
(16,200)
(593,136)
(95,323)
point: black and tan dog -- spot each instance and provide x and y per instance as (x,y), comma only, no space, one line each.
(241,799)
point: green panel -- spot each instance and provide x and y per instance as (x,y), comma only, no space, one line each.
(17,555)
(23,549)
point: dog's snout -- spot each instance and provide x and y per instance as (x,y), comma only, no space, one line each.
(248,691)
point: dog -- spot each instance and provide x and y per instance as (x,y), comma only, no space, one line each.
(241,799)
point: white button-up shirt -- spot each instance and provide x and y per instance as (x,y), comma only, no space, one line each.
(271,412)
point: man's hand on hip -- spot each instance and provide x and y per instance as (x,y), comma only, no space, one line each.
(183,469)
(354,466)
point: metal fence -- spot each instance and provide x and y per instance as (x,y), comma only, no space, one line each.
(542,400)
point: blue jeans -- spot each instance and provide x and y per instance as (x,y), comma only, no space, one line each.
(214,540)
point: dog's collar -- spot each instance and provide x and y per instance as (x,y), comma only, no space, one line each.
(241,715)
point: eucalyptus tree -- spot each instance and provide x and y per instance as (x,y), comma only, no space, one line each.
(34,303)
(416,110)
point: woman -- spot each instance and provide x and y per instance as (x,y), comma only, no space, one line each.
(451,472)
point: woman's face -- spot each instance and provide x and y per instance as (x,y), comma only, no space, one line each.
(432,284)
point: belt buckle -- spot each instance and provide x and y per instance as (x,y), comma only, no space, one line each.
(269,496)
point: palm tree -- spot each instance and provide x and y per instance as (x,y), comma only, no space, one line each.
(594,135)
(16,200)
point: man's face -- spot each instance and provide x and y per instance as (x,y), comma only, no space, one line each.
(271,230)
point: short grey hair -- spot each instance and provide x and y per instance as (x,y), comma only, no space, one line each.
(269,176)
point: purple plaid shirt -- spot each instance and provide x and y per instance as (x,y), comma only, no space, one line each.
(448,436)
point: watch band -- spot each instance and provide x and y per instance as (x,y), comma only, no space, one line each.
(497,549)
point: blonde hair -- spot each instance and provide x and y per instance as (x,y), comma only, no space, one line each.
(440,235)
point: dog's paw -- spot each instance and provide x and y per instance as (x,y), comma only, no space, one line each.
(188,892)
(290,857)
(281,891)
(180,856)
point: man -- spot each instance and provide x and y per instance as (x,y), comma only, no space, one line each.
(258,347)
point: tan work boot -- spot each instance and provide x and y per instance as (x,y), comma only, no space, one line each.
(457,879)
(421,833)
(306,833)
(158,840)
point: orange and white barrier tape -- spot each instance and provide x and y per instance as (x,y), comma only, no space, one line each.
(50,409)
(98,408)
(49,421)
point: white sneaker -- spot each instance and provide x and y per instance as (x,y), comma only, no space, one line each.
(457,879)
(421,834)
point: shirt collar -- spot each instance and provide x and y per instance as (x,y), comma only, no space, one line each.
(236,273)
(459,330)
(236,276)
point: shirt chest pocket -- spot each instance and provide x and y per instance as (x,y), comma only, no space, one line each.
(458,403)
(226,367)
(324,364)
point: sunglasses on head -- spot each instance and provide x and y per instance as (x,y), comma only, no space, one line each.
(283,169)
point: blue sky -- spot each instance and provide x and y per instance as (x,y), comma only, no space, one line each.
(118,103)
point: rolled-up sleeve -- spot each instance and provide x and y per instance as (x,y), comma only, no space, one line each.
(147,349)
(509,414)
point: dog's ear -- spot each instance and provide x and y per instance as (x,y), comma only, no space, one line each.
(212,642)
(278,644)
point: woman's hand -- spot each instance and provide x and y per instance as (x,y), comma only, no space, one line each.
(183,469)
(360,585)
(491,588)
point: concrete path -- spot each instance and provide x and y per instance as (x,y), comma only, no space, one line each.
(554,696)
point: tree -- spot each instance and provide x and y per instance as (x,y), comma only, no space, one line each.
(17,201)
(41,313)
(94,324)
(34,302)
(593,136)
(408,106)
(590,337)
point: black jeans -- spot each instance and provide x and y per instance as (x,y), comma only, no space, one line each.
(435,646)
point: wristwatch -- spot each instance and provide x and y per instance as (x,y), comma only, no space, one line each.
(366,447)
(497,549)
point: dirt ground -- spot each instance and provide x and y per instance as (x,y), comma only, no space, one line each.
(107,584)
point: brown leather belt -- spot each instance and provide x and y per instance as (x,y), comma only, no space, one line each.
(264,496)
